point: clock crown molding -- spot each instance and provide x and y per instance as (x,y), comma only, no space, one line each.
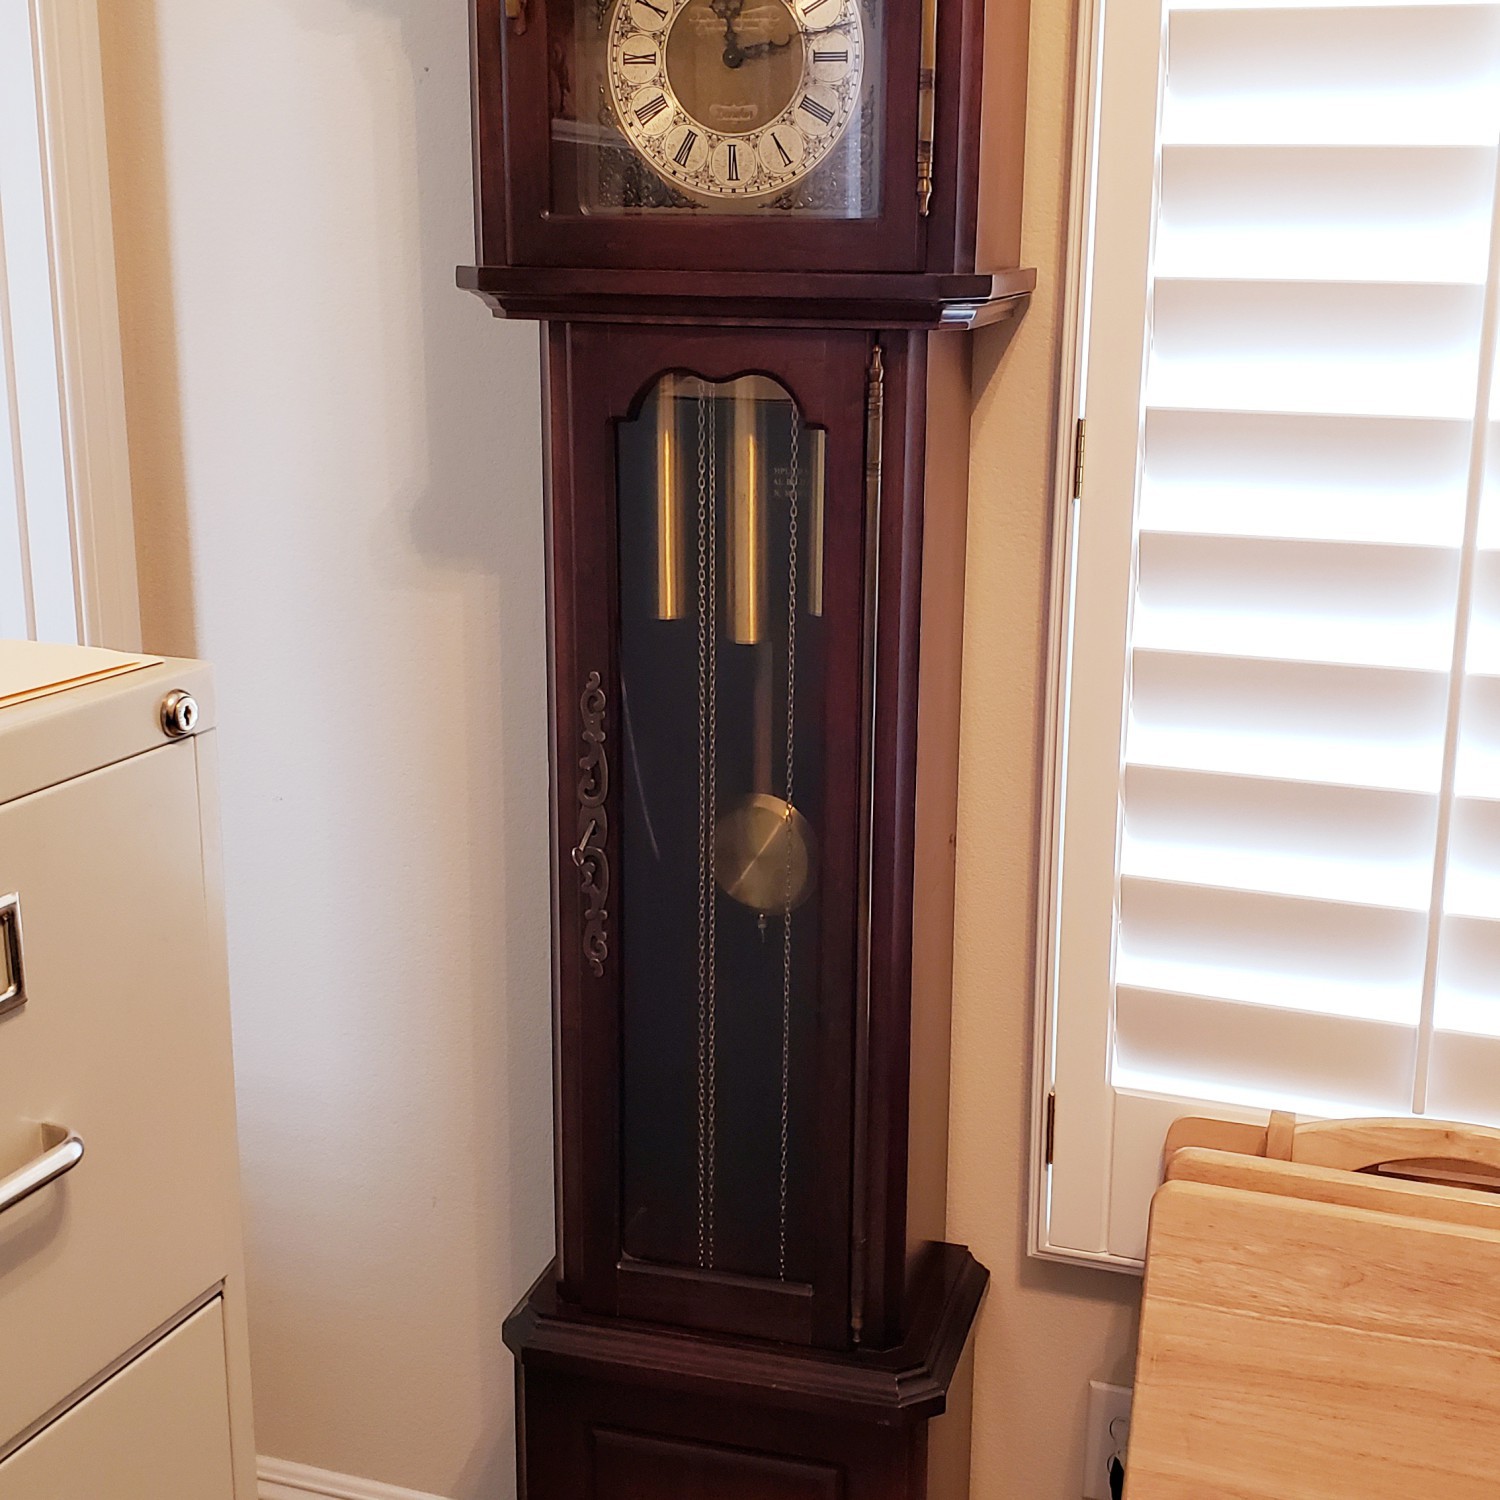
(818,299)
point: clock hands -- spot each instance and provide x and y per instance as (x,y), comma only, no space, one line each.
(728,11)
(736,53)
(759,49)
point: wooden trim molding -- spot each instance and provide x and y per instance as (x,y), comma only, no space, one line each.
(1068,368)
(280,1480)
(816,299)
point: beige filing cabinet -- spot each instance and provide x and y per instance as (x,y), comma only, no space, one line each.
(123,1366)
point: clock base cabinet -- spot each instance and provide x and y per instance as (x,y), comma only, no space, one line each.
(122,1320)
(609,1410)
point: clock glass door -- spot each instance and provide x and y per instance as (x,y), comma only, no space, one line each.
(680,108)
(709,621)
(722,657)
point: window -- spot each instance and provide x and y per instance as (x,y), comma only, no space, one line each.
(1277,846)
(67,564)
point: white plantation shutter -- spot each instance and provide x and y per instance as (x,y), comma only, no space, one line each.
(1279,833)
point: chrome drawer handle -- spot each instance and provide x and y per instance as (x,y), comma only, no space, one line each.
(64,1152)
(13,997)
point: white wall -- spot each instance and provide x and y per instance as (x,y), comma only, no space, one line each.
(336,455)
(336,465)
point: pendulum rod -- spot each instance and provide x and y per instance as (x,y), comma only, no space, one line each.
(708,794)
(712,819)
(702,838)
(874,488)
(794,484)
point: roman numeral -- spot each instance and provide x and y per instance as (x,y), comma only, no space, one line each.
(823,57)
(734,162)
(786,160)
(685,150)
(651,108)
(820,112)
(648,59)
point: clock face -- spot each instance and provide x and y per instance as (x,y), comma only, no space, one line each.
(735,100)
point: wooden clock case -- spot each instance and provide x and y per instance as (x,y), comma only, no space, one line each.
(644,1381)
(898,268)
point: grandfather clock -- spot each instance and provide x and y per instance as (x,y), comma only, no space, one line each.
(757,232)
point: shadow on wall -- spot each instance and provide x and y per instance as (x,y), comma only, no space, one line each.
(336,470)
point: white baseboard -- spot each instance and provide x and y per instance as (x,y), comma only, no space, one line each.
(283,1481)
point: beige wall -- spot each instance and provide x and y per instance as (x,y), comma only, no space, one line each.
(336,460)
(1047,1329)
(337,474)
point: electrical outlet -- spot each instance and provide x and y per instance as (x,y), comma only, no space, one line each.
(1109,1407)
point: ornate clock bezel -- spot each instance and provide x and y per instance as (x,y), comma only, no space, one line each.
(703,162)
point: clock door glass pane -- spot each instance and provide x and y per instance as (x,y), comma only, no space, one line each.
(688,107)
(721,660)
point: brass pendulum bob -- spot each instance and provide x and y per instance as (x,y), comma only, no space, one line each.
(763,854)
(762,845)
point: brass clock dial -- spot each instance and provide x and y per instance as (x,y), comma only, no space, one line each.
(735,100)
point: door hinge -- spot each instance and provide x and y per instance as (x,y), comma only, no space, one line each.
(927,108)
(1080,439)
(1049,1139)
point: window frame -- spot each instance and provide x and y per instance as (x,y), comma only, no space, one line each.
(73,178)
(1069,472)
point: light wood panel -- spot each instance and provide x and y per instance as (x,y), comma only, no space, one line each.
(1255,1174)
(1302,1350)
(1354,1145)
(1415,1148)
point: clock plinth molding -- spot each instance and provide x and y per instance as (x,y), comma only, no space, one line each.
(757,490)
(614,1410)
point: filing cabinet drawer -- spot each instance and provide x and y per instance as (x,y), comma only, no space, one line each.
(123,1039)
(158,1430)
